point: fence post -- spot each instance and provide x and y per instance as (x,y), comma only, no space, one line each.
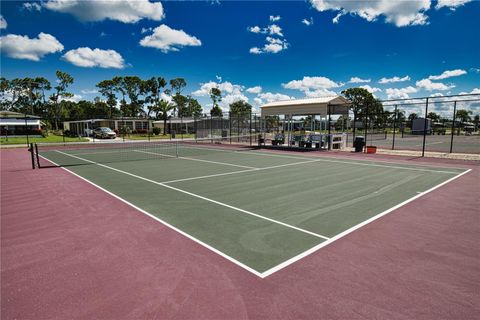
(453,124)
(425,128)
(365,129)
(26,131)
(32,155)
(394,127)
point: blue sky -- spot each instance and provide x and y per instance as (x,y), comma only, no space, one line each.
(256,51)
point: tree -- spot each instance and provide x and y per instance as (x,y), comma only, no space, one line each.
(163,108)
(464,115)
(134,88)
(153,93)
(177,85)
(433,116)
(63,81)
(216,96)
(192,109)
(360,98)
(476,121)
(216,111)
(412,116)
(119,87)
(107,89)
(240,108)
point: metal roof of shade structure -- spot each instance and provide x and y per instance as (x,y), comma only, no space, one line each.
(313,106)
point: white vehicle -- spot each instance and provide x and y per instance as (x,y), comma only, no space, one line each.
(104,133)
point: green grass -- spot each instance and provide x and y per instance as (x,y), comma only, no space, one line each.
(155,137)
(50,139)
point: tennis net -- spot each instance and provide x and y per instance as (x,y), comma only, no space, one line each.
(82,153)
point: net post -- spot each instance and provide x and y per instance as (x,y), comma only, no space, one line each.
(37,156)
(250,130)
(425,128)
(176,149)
(31,150)
(453,124)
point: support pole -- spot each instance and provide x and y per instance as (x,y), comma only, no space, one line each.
(26,131)
(32,155)
(453,124)
(329,128)
(366,127)
(425,128)
(394,127)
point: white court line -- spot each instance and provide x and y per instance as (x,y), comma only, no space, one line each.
(240,171)
(194,159)
(350,230)
(358,163)
(337,160)
(238,263)
(198,196)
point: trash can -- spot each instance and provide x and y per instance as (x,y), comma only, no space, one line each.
(359,143)
(173,134)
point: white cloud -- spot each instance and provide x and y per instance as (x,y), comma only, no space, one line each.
(475,90)
(255,29)
(271,97)
(89,91)
(400,13)
(311,83)
(336,19)
(256,89)
(145,30)
(275,30)
(3,22)
(127,11)
(313,86)
(230,92)
(168,39)
(451,4)
(88,58)
(448,74)
(428,85)
(273,45)
(358,80)
(32,6)
(255,50)
(371,89)
(219,78)
(394,79)
(307,22)
(274,18)
(22,47)
(400,93)
(476,70)
(272,29)
(74,98)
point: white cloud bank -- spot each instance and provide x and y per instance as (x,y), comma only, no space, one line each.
(400,93)
(3,22)
(255,90)
(451,4)
(359,80)
(126,11)
(167,39)
(394,79)
(400,13)
(88,58)
(428,85)
(22,47)
(313,86)
(230,92)
(448,74)
(307,22)
(273,45)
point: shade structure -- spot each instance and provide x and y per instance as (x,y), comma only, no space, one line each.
(315,106)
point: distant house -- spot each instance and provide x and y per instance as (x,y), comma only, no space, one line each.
(16,124)
(85,127)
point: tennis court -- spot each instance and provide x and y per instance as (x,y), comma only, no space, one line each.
(260,210)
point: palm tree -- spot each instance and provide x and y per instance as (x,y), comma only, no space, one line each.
(163,107)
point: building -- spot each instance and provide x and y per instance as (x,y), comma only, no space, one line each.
(15,124)
(85,127)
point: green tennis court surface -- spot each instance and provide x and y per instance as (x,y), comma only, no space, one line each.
(260,210)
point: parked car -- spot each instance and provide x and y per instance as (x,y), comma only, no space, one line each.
(104,133)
